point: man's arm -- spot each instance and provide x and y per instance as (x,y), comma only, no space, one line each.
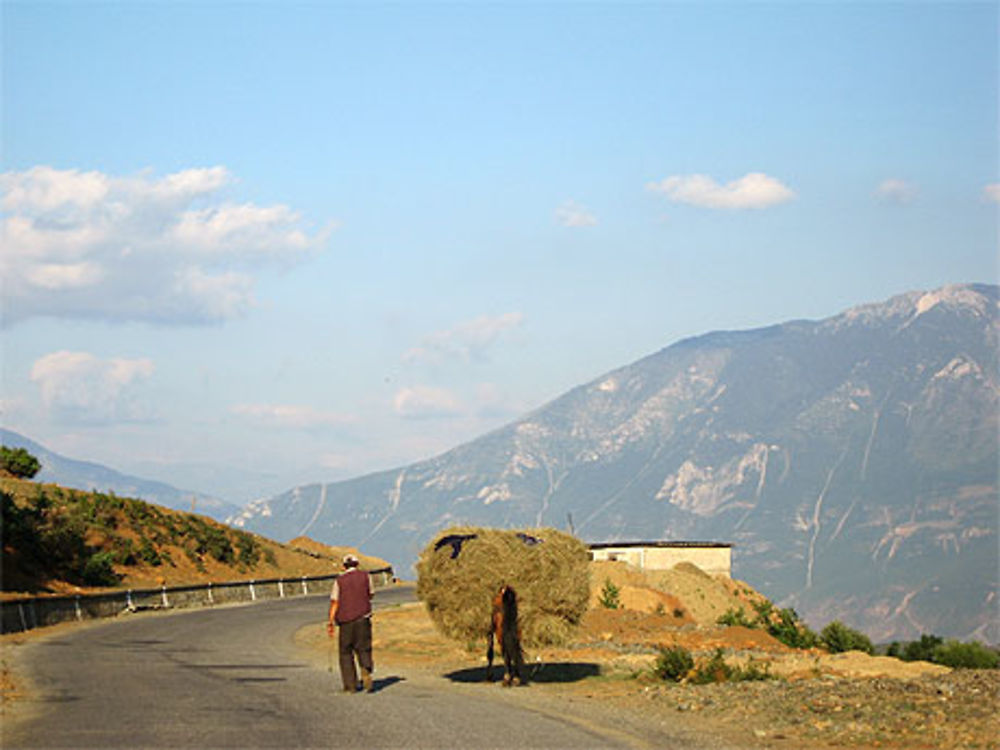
(332,618)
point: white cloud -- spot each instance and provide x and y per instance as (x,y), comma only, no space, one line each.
(572,214)
(754,190)
(291,416)
(425,402)
(82,388)
(466,341)
(895,190)
(167,250)
(991,192)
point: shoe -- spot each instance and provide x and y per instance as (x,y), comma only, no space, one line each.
(367,682)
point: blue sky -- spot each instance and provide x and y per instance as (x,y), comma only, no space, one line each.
(251,245)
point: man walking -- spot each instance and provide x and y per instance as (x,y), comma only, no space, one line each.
(351,610)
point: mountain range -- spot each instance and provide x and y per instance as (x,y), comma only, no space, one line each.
(86,475)
(852,462)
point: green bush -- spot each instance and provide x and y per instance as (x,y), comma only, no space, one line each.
(922,650)
(972,655)
(713,670)
(124,551)
(673,663)
(838,637)
(98,570)
(19,462)
(148,553)
(610,595)
(248,551)
(791,631)
(735,617)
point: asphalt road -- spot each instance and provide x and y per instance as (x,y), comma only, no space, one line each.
(234,677)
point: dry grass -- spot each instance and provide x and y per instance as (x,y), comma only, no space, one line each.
(551,578)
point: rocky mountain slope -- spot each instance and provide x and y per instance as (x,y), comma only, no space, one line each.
(852,461)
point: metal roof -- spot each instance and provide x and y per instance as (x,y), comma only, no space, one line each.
(606,545)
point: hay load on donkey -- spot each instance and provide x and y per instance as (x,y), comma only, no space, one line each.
(461,570)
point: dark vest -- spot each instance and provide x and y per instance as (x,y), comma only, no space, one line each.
(353,601)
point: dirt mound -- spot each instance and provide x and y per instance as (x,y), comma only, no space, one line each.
(701,597)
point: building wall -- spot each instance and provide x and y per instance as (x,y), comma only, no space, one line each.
(713,560)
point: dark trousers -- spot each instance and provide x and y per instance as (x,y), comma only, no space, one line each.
(355,640)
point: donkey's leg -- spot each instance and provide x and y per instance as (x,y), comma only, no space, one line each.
(489,656)
(505,650)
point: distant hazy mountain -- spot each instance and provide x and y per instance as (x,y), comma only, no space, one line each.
(90,476)
(852,461)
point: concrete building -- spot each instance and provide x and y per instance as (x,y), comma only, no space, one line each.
(712,557)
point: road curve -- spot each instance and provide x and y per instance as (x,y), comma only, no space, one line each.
(234,677)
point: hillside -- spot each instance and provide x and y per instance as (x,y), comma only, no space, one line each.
(87,475)
(57,540)
(852,461)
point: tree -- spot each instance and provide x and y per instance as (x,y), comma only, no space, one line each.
(18,462)
(838,637)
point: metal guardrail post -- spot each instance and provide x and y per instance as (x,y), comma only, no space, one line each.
(211,599)
(253,594)
(163,591)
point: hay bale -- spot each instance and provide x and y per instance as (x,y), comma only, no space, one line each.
(457,582)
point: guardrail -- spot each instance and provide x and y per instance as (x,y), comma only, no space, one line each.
(39,611)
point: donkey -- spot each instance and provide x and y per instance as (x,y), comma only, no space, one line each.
(505,629)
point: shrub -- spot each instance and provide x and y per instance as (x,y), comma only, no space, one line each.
(894,650)
(713,670)
(19,462)
(124,551)
(673,663)
(610,595)
(922,650)
(148,553)
(735,617)
(972,655)
(791,631)
(247,549)
(98,570)
(837,637)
